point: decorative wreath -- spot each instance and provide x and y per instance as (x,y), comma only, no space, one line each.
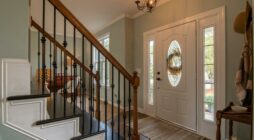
(174,70)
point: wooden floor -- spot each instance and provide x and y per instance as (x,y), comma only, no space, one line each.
(154,129)
(149,128)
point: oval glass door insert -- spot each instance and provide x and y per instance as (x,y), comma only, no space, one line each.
(174,63)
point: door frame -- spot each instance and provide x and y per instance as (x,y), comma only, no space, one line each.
(222,56)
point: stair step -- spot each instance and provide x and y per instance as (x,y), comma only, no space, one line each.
(57,119)
(24,97)
(89,135)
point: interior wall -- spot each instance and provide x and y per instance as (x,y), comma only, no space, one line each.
(14,26)
(176,10)
(117,40)
(121,43)
(129,31)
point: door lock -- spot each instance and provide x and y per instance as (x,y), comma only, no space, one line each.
(158,79)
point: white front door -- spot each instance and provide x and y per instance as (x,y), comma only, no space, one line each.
(176,75)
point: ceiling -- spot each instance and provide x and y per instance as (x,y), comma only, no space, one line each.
(94,14)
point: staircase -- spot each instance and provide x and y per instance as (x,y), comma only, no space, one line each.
(68,100)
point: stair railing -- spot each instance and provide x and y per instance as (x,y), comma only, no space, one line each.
(123,84)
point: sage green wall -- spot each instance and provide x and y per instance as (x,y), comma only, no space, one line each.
(121,43)
(179,9)
(117,40)
(14,26)
(129,40)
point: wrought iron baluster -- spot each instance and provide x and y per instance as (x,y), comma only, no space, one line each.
(83,76)
(98,88)
(39,61)
(80,88)
(43,41)
(55,65)
(75,73)
(118,103)
(124,108)
(50,62)
(83,84)
(112,100)
(65,68)
(129,100)
(93,111)
(91,88)
(106,97)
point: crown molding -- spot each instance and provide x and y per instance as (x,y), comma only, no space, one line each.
(112,22)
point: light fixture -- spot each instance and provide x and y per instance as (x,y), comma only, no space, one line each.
(146,4)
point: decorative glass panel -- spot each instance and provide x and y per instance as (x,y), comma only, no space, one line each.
(209,73)
(209,36)
(209,102)
(209,55)
(151,73)
(174,63)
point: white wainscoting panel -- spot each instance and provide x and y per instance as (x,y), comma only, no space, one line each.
(21,115)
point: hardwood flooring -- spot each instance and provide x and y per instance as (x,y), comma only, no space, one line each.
(154,129)
(149,128)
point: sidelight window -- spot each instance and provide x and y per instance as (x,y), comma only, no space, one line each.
(151,72)
(208,73)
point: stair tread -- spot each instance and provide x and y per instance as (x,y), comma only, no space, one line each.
(24,97)
(57,119)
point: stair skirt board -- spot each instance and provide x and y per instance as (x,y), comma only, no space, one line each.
(21,115)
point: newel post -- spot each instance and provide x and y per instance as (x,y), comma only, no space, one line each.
(97,110)
(135,83)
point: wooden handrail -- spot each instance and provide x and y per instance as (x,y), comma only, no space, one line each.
(62,48)
(89,36)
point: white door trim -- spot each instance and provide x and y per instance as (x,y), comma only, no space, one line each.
(221,87)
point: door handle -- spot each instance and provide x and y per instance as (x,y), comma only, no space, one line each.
(158,79)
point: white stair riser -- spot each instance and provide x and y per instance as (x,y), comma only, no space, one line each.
(21,115)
